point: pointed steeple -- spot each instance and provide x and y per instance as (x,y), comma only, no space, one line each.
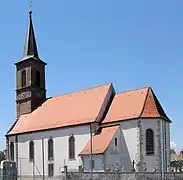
(30,48)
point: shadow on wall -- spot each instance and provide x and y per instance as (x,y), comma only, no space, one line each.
(58,133)
(125,155)
(118,158)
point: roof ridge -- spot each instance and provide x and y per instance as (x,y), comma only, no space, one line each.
(159,107)
(131,90)
(80,90)
(153,98)
(143,107)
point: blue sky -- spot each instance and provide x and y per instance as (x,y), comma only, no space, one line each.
(91,42)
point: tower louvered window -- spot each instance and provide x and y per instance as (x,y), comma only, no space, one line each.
(23,78)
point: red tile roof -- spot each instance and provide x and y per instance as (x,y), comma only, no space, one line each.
(101,141)
(69,109)
(88,106)
(139,103)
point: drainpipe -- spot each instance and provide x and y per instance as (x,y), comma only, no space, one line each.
(91,164)
(16,144)
(33,168)
(162,151)
(43,158)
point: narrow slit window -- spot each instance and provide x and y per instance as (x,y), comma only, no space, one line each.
(116,141)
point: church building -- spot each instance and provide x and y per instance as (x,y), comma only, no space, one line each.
(95,128)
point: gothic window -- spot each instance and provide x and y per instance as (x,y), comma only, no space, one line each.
(31,151)
(71,147)
(38,78)
(50,149)
(12,151)
(50,170)
(149,142)
(23,78)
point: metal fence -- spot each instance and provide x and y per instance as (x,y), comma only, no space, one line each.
(123,176)
(108,176)
(177,166)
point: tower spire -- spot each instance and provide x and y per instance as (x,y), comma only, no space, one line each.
(30,70)
(30,48)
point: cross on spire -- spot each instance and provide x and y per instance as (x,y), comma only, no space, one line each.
(30,5)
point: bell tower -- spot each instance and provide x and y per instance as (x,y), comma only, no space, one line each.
(30,76)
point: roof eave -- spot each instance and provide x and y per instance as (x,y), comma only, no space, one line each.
(50,129)
(82,154)
(28,58)
(117,122)
(166,119)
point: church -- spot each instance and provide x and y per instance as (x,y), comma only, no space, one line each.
(94,129)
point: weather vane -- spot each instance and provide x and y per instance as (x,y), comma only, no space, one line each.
(30,5)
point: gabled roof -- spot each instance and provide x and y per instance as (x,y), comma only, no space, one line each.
(139,103)
(76,108)
(176,157)
(179,156)
(101,141)
(173,155)
(172,151)
(91,105)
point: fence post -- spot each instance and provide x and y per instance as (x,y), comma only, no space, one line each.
(91,164)
(33,170)
(20,172)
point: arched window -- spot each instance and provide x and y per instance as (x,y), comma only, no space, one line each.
(38,78)
(12,151)
(31,151)
(23,78)
(149,142)
(50,149)
(71,147)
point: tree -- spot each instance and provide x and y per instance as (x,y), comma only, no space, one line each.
(3,155)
